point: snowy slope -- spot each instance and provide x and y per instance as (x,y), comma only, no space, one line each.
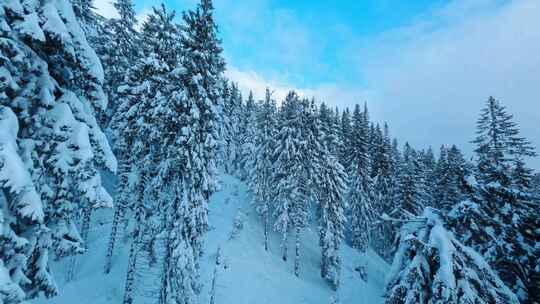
(247,273)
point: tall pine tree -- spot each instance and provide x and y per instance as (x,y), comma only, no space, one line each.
(331,184)
(204,67)
(289,202)
(263,161)
(498,203)
(360,196)
(52,149)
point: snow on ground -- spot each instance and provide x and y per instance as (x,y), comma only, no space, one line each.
(247,274)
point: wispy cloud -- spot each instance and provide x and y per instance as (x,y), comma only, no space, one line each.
(330,93)
(431,80)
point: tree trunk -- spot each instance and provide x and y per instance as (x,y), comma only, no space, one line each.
(85,226)
(214,279)
(132,263)
(297,253)
(265,215)
(118,215)
(137,239)
(284,246)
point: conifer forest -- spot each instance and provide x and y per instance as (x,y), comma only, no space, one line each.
(134,170)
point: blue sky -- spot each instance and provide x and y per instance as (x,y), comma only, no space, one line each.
(302,42)
(425,66)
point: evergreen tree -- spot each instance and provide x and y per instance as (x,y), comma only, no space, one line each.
(88,20)
(150,123)
(536,184)
(375,151)
(246,137)
(117,45)
(118,50)
(432,266)
(374,142)
(428,164)
(410,194)
(287,178)
(52,149)
(345,137)
(498,144)
(262,164)
(360,196)
(309,150)
(331,186)
(506,211)
(336,130)
(450,175)
(204,67)
(329,128)
(232,108)
(383,193)
(174,117)
(443,181)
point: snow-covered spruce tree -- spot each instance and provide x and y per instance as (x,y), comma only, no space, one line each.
(88,19)
(505,241)
(336,127)
(246,138)
(450,175)
(176,83)
(262,165)
(330,181)
(21,221)
(394,202)
(287,169)
(345,137)
(329,128)
(310,149)
(52,146)
(535,185)
(374,140)
(432,266)
(123,197)
(204,67)
(172,117)
(410,196)
(427,163)
(116,44)
(443,181)
(423,169)
(382,191)
(360,194)
(225,94)
(118,50)
(147,87)
(534,280)
(232,110)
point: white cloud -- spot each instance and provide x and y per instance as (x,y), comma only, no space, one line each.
(251,81)
(332,94)
(432,78)
(105,8)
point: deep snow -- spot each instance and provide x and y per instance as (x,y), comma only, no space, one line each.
(247,274)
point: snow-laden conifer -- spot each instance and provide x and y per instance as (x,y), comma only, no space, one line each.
(432,266)
(261,174)
(287,169)
(54,139)
(360,195)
